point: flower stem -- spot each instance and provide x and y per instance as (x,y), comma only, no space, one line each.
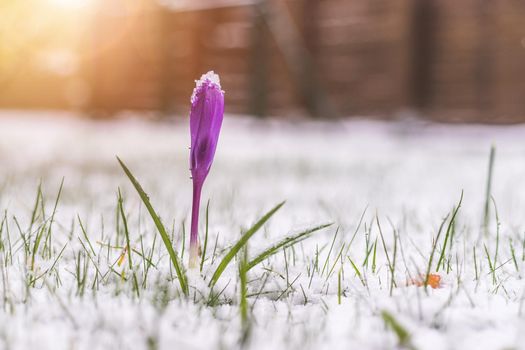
(194,235)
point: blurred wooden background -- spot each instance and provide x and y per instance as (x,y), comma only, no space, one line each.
(448,60)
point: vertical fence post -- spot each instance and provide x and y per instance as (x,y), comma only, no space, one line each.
(165,51)
(259,61)
(484,57)
(424,21)
(311,91)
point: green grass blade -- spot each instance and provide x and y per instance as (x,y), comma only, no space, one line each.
(285,243)
(488,190)
(160,227)
(492,265)
(449,230)
(128,245)
(240,243)
(497,231)
(357,272)
(384,244)
(434,247)
(48,239)
(329,252)
(339,289)
(475,262)
(35,208)
(374,257)
(38,238)
(367,256)
(402,334)
(205,236)
(513,254)
(84,232)
(243,300)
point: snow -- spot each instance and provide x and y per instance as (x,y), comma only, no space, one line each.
(409,174)
(209,78)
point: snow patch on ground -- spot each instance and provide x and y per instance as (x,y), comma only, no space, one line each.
(408,174)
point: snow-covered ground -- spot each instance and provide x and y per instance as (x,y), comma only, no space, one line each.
(325,293)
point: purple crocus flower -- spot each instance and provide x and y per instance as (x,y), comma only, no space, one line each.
(207,110)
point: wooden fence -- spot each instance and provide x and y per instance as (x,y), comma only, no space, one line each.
(450,60)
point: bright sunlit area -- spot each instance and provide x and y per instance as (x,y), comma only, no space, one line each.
(73,5)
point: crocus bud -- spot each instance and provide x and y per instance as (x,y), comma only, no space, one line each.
(207,110)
